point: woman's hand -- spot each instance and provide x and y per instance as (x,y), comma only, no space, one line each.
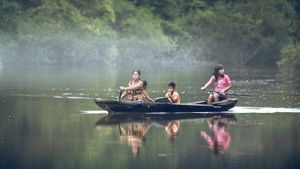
(122,88)
(203,88)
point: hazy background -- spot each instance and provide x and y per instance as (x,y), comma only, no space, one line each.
(139,32)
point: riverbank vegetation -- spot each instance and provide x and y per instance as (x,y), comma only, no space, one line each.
(236,32)
(289,63)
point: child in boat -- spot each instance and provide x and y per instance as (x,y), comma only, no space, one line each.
(172,94)
(222,82)
(146,97)
(134,91)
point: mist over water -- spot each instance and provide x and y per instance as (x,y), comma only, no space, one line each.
(263,88)
(79,48)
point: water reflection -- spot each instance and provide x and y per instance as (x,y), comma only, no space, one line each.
(133,129)
(172,129)
(135,134)
(220,140)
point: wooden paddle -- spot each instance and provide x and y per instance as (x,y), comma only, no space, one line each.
(230,94)
(120,94)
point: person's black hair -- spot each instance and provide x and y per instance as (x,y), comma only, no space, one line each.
(137,71)
(145,84)
(216,71)
(172,84)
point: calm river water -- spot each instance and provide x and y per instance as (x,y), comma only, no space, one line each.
(49,120)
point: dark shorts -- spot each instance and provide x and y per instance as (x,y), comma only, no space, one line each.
(222,96)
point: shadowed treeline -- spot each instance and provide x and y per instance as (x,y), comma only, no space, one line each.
(239,32)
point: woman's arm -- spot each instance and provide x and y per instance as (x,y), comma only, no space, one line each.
(211,80)
(136,87)
(147,96)
(227,88)
(124,94)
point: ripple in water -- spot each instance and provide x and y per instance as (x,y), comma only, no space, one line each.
(239,110)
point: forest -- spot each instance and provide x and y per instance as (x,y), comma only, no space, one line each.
(264,33)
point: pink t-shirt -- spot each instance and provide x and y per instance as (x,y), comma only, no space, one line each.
(221,84)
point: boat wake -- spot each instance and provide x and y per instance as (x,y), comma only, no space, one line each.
(240,110)
(79,98)
(94,112)
(235,110)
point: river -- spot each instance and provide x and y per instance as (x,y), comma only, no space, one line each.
(49,120)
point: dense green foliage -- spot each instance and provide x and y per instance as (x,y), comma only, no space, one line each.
(290,61)
(239,32)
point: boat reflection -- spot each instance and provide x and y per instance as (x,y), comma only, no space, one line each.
(112,119)
(220,140)
(133,128)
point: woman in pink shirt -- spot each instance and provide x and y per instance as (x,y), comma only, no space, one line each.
(222,82)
